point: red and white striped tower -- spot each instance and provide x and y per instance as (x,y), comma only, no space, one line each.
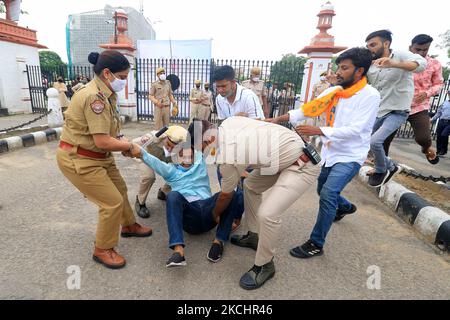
(320,52)
(121,42)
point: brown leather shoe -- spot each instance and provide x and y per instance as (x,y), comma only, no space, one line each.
(109,258)
(136,230)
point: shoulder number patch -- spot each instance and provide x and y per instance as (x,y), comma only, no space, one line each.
(98,106)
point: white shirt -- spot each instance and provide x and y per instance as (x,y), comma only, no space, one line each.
(349,139)
(246,101)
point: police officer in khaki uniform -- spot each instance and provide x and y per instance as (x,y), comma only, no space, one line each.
(207,104)
(62,90)
(161,95)
(321,86)
(91,132)
(195,99)
(161,148)
(281,171)
(286,99)
(258,87)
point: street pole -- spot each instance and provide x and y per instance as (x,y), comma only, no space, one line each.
(115,27)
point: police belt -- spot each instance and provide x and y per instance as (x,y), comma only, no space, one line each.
(83,152)
(304,158)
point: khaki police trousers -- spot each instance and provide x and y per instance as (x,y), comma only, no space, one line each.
(148,178)
(100,181)
(204,112)
(195,111)
(161,117)
(263,216)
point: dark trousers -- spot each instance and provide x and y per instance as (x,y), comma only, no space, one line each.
(197,217)
(420,123)
(442,133)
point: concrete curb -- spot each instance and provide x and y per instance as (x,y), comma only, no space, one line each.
(29,140)
(431,222)
(32,139)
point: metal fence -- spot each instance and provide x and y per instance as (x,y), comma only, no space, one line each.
(40,79)
(287,76)
(283,81)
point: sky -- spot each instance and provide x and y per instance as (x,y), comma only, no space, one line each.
(255,29)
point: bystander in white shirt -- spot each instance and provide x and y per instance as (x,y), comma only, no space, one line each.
(246,101)
(349,139)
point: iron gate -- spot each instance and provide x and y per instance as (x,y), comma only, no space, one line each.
(41,79)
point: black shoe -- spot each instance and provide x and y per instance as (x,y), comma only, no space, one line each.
(393,173)
(340,214)
(306,250)
(250,240)
(378,179)
(176,260)
(257,276)
(434,161)
(441,153)
(215,253)
(141,209)
(161,195)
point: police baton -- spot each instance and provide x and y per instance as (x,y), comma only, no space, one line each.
(157,135)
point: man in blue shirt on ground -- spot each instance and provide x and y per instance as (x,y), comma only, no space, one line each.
(190,204)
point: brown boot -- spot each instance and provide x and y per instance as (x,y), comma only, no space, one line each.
(109,258)
(136,230)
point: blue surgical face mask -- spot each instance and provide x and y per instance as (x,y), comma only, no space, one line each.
(118,85)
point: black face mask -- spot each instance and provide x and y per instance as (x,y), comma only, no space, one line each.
(206,88)
(60,81)
(198,87)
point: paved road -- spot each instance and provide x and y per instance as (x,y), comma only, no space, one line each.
(11,121)
(47,226)
(407,151)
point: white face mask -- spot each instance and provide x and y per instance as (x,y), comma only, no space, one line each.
(162,77)
(323,78)
(118,85)
(255,79)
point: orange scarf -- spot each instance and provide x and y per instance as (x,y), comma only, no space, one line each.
(328,103)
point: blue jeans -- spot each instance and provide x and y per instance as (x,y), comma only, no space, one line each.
(382,129)
(239,188)
(331,182)
(197,217)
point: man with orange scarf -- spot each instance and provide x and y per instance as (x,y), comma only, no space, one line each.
(350,108)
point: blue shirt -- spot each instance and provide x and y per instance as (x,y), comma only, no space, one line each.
(192,183)
(443,112)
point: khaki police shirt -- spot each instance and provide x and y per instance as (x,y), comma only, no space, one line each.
(244,142)
(257,87)
(93,110)
(195,94)
(208,99)
(161,90)
(319,88)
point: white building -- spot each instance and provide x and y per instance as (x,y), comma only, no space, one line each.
(18,47)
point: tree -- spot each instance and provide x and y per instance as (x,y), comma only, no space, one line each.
(50,60)
(52,66)
(290,69)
